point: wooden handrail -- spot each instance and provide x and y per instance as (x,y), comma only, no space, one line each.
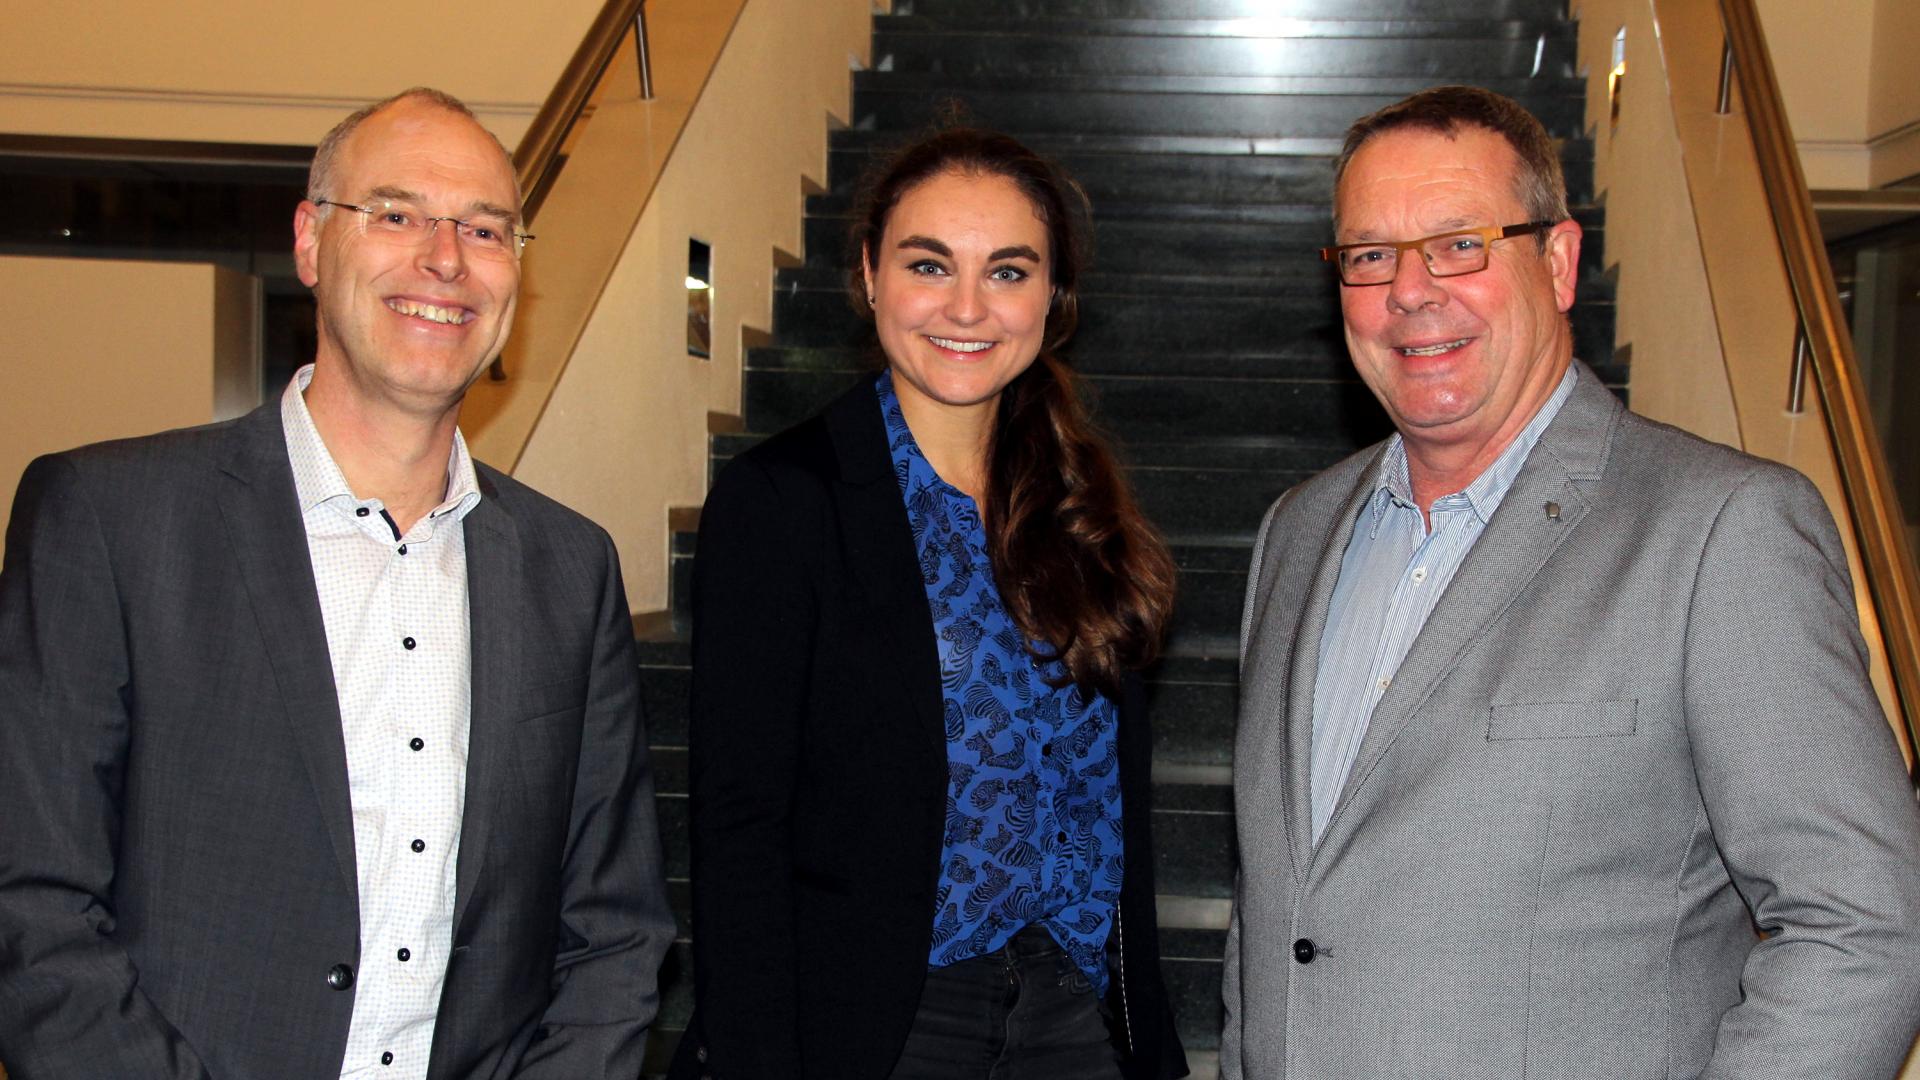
(539,148)
(537,156)
(1878,527)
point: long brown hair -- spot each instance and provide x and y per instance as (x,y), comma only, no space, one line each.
(1079,567)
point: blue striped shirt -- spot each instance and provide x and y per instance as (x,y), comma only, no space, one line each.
(1391,576)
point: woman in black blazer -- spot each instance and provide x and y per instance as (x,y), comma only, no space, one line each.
(920,759)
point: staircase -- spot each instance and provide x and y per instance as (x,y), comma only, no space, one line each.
(1204,132)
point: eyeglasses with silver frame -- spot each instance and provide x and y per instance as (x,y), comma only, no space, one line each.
(1449,254)
(399,223)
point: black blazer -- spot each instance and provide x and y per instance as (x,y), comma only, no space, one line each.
(819,774)
(177,883)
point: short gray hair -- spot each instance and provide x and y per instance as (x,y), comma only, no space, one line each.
(320,176)
(1538,182)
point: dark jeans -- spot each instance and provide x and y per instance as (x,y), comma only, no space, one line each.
(1021,1012)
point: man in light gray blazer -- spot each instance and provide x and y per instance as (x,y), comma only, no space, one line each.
(1557,754)
(320,744)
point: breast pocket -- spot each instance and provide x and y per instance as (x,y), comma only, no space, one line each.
(1563,720)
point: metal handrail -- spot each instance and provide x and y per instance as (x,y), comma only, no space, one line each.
(1891,578)
(536,160)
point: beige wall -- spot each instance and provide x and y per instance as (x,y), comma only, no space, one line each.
(1652,243)
(69,363)
(1846,69)
(1893,97)
(272,72)
(623,437)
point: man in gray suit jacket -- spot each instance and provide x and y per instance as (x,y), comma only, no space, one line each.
(320,745)
(1557,754)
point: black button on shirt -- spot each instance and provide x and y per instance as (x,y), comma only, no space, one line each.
(408,643)
(386,1058)
(416,744)
(405,956)
(419,846)
(362,512)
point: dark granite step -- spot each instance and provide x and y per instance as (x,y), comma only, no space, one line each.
(1260,11)
(1117,182)
(1244,116)
(1192,702)
(1012,52)
(1190,964)
(1457,25)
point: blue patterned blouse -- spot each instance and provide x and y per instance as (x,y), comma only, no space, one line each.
(1033,803)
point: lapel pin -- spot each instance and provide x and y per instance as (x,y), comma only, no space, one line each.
(1553,511)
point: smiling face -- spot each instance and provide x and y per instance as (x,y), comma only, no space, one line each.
(1462,362)
(961,284)
(409,326)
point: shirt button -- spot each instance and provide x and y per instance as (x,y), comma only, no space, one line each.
(1385,681)
(1419,574)
(403,549)
(405,956)
(1062,837)
(386,1058)
(416,744)
(419,846)
(362,512)
(408,643)
(1304,950)
(1046,750)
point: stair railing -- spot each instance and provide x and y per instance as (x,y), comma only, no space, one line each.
(1825,348)
(538,156)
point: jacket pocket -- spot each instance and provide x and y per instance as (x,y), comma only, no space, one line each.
(552,699)
(1563,720)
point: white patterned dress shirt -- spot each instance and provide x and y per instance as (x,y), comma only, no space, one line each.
(395,609)
(1393,573)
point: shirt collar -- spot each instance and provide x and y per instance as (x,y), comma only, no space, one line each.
(1484,495)
(910,466)
(317,477)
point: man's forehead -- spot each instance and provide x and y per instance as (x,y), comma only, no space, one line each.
(429,151)
(1445,179)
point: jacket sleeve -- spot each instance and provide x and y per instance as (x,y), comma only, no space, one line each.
(70,999)
(754,622)
(1804,794)
(615,922)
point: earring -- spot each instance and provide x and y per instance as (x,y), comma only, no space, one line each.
(869,299)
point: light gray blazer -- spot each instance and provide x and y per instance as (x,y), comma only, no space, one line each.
(1624,739)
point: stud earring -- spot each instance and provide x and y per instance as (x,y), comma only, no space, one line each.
(869,299)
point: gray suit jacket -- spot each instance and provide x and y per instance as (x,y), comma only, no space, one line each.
(177,862)
(1623,739)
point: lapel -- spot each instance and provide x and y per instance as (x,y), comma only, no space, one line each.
(264,526)
(1301,666)
(878,547)
(1518,541)
(496,603)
